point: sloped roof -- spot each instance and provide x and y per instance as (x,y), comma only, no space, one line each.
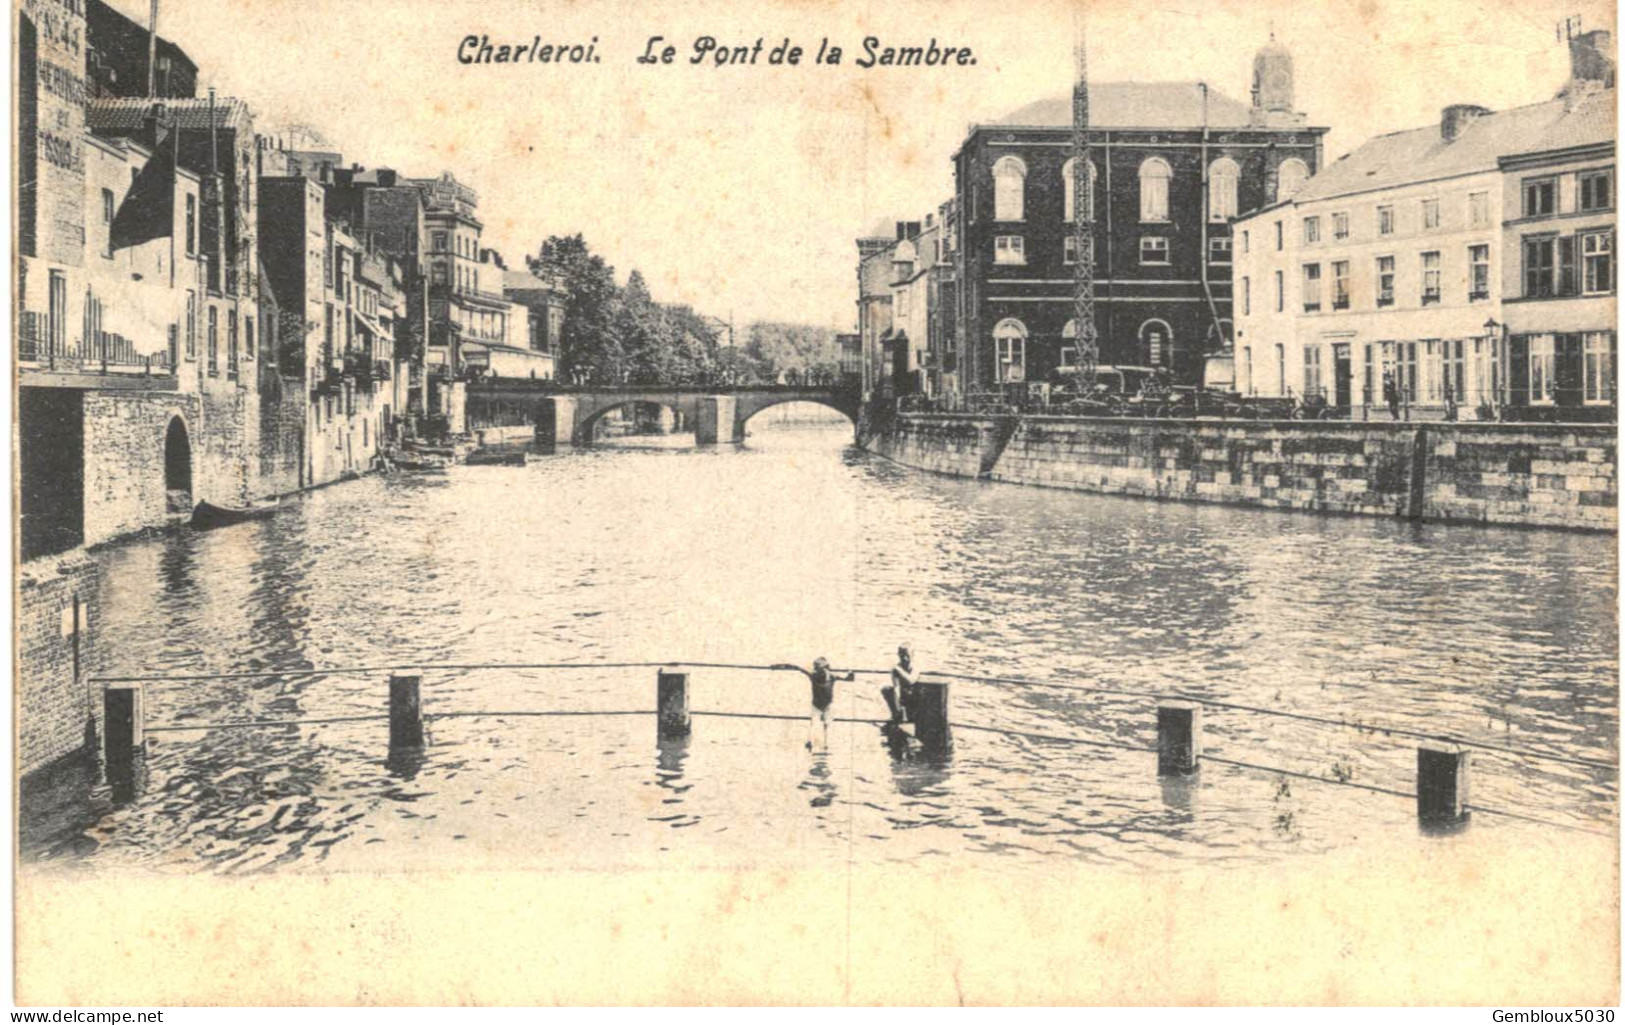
(524,280)
(113,114)
(1136,105)
(1421,154)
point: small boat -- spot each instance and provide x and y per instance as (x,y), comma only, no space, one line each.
(419,465)
(489,457)
(207,515)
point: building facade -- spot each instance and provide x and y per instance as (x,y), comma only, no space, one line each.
(1170,166)
(1439,272)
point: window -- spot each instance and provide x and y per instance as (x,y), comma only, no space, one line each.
(1340,226)
(1596,190)
(1010,350)
(1385,220)
(1069,353)
(1246,297)
(1311,288)
(1246,241)
(1599,367)
(438,273)
(1154,250)
(1430,215)
(231,345)
(1157,342)
(1453,360)
(1009,189)
(1246,381)
(1280,291)
(1311,230)
(107,219)
(1222,179)
(1154,176)
(214,341)
(1280,236)
(248,336)
(1385,281)
(1430,278)
(1542,370)
(900,304)
(1291,176)
(1539,197)
(1009,249)
(191,324)
(1538,269)
(1069,186)
(1340,285)
(1069,249)
(1478,209)
(1597,252)
(1407,370)
(1311,371)
(191,224)
(439,241)
(1280,369)
(1478,258)
(1218,249)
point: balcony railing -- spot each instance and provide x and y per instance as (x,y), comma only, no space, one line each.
(105,353)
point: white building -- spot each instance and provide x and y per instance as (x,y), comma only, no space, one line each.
(1383,283)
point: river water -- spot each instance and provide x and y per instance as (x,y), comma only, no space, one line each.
(796,545)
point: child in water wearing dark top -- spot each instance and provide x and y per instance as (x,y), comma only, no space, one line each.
(823,698)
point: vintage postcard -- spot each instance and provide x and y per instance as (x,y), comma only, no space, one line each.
(1056,502)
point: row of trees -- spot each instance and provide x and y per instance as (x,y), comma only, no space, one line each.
(617,334)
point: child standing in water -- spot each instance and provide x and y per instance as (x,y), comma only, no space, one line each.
(823,699)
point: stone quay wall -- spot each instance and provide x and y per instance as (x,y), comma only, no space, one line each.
(1547,475)
(52,706)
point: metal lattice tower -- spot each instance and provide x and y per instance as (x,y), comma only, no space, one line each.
(1083,226)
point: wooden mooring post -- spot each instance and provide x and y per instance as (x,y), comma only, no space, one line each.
(1179,738)
(405,713)
(1443,772)
(125,742)
(928,708)
(671,703)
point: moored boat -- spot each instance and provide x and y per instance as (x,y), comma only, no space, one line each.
(492,457)
(207,515)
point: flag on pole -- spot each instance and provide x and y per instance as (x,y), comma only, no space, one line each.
(148,210)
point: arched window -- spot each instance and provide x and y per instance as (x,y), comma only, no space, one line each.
(1069,185)
(1009,189)
(1154,175)
(1290,178)
(1010,350)
(1157,342)
(1069,346)
(1222,178)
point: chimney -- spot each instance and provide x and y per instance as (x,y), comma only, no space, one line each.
(1591,57)
(1457,117)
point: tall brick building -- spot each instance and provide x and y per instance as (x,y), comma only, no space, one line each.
(1171,164)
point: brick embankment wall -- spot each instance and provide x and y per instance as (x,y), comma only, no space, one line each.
(1554,475)
(124,459)
(51,708)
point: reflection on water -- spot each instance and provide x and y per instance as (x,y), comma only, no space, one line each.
(796,546)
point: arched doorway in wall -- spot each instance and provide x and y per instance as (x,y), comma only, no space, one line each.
(178,467)
(1157,343)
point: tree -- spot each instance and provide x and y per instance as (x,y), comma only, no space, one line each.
(590,349)
(798,352)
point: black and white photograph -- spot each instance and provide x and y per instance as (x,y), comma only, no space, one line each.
(1051,503)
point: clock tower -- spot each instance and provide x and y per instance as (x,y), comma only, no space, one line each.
(1272,79)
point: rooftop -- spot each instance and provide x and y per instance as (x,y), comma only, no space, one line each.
(1421,154)
(114,114)
(1135,105)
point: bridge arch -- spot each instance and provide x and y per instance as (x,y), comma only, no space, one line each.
(748,409)
(588,419)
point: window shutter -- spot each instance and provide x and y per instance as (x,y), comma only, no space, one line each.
(1517,370)
(1570,371)
(1565,261)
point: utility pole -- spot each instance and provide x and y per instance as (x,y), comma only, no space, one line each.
(152,52)
(1083,225)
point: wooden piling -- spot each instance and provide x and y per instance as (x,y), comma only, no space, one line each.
(1442,777)
(928,709)
(405,712)
(671,703)
(1179,738)
(122,708)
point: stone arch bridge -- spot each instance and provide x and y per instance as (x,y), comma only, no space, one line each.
(566,415)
